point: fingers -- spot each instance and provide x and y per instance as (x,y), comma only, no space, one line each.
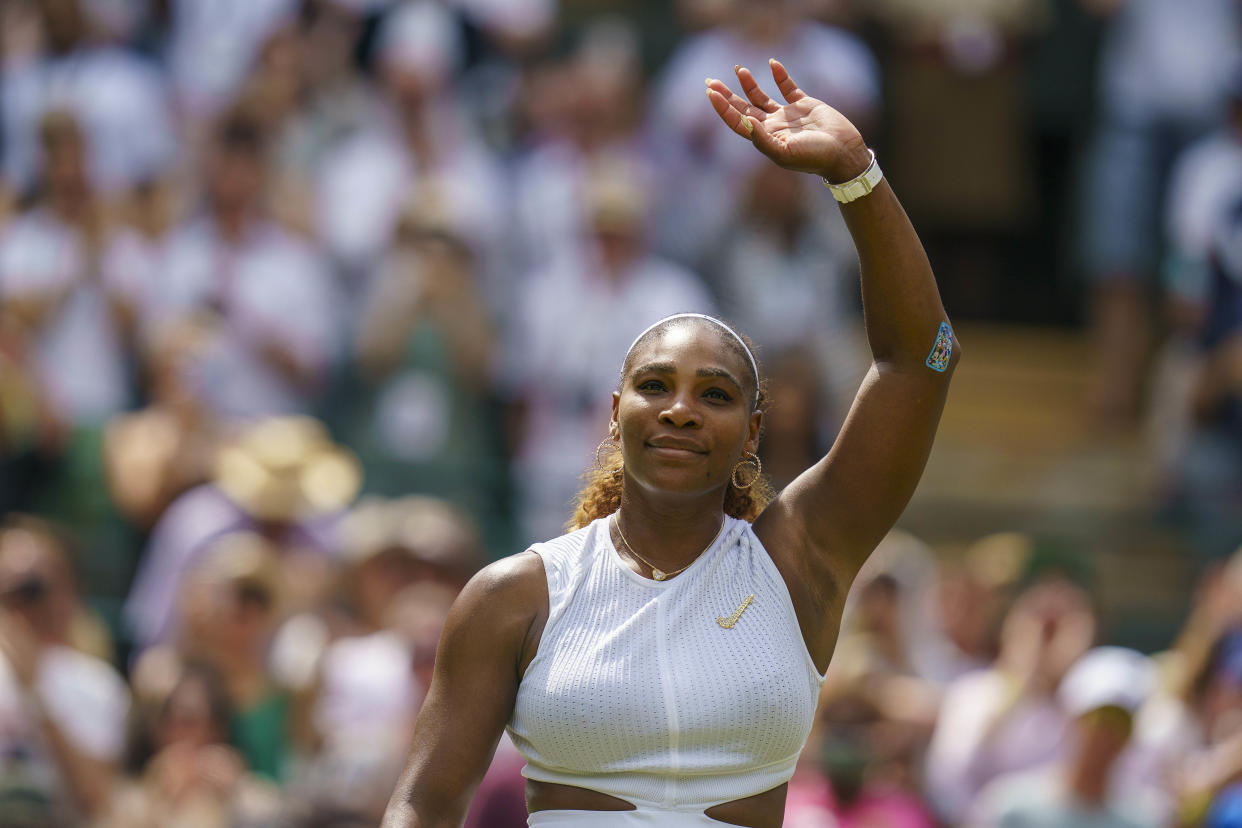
(750,126)
(751,87)
(735,100)
(785,83)
(743,126)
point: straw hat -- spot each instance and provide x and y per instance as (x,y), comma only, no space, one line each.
(286,469)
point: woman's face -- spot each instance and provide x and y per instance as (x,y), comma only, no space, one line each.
(684,412)
(187,717)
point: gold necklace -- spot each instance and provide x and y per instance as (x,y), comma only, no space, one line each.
(657,573)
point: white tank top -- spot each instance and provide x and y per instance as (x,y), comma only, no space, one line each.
(679,694)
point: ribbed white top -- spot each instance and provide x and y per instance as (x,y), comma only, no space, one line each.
(639,692)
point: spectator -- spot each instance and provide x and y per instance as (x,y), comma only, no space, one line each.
(272,307)
(1185,715)
(62,712)
(1205,182)
(1006,718)
(408,559)
(118,99)
(694,156)
(1210,470)
(24,428)
(72,324)
(72,320)
(1162,80)
(892,637)
(311,69)
(419,403)
(843,791)
(1101,694)
(591,120)
(1205,758)
(212,46)
(282,478)
(229,607)
(392,544)
(421,148)
(188,773)
(971,597)
(154,455)
(1206,179)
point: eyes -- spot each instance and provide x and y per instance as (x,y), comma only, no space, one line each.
(713,393)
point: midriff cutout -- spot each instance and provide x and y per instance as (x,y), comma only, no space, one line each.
(550,796)
(763,810)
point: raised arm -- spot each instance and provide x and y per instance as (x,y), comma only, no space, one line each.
(488,640)
(835,513)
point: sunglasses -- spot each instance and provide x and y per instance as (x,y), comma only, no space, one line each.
(27,592)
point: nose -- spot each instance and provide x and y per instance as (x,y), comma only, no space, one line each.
(681,413)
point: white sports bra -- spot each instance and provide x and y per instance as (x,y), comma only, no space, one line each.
(680,694)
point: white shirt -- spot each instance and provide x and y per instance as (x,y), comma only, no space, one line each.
(1039,799)
(370,178)
(272,286)
(1205,181)
(213,44)
(78,356)
(120,102)
(968,749)
(85,698)
(550,214)
(642,691)
(1169,59)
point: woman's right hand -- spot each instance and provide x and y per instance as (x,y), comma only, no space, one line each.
(805,134)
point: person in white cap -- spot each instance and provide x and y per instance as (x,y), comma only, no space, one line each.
(660,664)
(1101,693)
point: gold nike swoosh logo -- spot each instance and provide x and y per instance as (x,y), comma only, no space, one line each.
(728,623)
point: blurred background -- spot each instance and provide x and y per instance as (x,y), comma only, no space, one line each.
(309,308)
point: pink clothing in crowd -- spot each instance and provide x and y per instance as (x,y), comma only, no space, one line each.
(811,804)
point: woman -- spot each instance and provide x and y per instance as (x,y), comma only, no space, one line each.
(648,664)
(187,773)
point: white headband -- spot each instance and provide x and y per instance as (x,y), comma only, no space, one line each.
(754,366)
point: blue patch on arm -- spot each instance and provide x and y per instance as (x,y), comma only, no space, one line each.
(938,359)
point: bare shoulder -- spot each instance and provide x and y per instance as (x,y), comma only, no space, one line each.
(502,608)
(511,586)
(509,576)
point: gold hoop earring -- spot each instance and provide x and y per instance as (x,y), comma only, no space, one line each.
(600,447)
(747,459)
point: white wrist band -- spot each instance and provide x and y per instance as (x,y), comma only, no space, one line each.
(858,186)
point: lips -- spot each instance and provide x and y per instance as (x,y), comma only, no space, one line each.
(674,445)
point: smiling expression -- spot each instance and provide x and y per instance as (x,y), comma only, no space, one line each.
(684,413)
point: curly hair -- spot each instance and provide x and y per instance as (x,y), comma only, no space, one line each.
(600,496)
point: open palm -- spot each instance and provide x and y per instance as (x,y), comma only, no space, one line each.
(805,134)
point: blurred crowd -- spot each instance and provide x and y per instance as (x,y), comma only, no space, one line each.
(309,308)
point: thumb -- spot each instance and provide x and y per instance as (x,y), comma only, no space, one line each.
(759,136)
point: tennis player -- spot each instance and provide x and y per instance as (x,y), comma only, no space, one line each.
(660,663)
